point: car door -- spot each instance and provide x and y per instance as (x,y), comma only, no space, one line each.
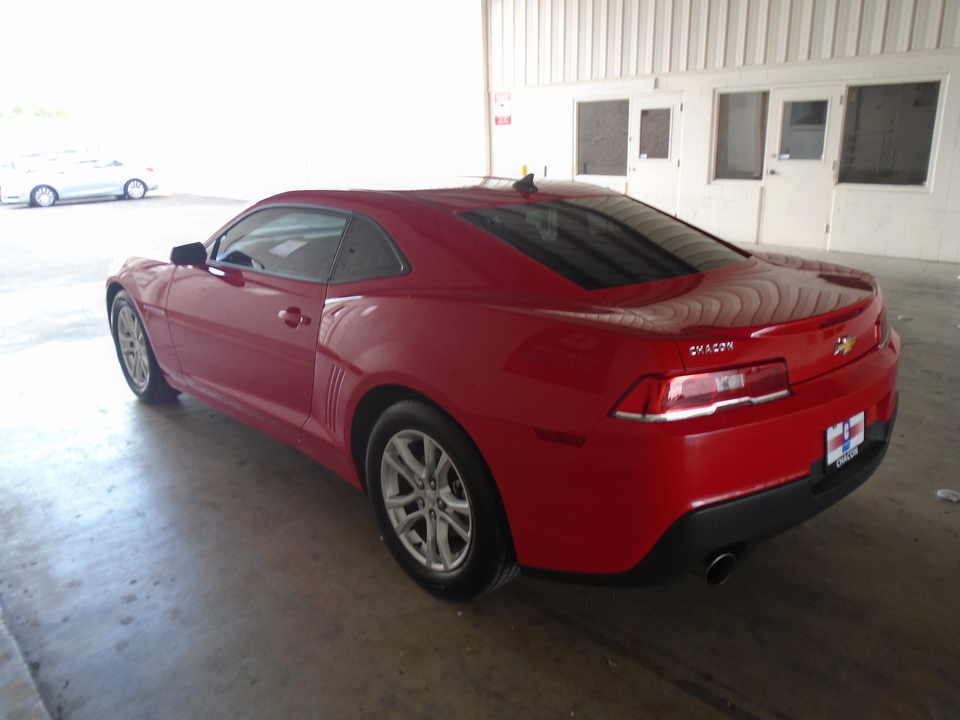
(77,179)
(245,324)
(109,177)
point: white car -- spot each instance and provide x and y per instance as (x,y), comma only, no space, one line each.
(72,179)
(7,170)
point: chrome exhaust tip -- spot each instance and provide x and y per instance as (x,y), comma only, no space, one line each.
(717,568)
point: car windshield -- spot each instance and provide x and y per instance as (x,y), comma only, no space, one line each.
(604,242)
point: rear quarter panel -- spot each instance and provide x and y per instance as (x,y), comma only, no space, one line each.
(477,358)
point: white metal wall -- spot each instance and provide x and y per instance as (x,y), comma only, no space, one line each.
(539,42)
(546,56)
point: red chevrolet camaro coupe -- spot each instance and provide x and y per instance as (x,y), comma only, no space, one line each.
(546,377)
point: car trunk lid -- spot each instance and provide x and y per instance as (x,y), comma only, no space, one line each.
(815,316)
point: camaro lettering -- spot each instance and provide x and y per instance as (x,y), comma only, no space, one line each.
(711,348)
(844,459)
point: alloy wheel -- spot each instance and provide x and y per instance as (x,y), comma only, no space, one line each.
(136,189)
(133,347)
(44,196)
(426,500)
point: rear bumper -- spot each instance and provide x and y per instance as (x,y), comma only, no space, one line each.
(602,508)
(738,525)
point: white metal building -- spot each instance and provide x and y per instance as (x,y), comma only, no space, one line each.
(828,124)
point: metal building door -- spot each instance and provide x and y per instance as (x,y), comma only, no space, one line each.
(803,145)
(653,170)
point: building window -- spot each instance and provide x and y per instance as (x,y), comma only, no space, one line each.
(602,137)
(655,133)
(741,134)
(804,130)
(888,133)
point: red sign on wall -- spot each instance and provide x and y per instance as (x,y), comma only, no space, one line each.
(502,108)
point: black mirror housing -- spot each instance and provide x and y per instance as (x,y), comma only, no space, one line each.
(192,254)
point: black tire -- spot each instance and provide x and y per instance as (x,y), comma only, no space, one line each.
(137,361)
(440,499)
(43,196)
(134,189)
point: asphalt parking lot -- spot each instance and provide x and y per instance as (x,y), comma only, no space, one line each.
(168,561)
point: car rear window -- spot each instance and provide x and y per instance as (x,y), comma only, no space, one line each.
(604,242)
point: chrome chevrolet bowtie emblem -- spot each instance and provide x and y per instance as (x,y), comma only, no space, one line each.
(845,345)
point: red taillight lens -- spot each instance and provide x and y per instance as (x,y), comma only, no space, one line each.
(658,398)
(883,330)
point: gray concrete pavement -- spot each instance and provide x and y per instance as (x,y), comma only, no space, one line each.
(169,562)
(19,699)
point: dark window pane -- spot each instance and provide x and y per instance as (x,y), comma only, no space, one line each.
(284,241)
(888,133)
(604,242)
(804,130)
(655,133)
(602,137)
(367,253)
(741,134)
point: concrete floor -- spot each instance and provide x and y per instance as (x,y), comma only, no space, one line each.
(169,562)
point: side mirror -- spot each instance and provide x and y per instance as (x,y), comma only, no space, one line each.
(192,254)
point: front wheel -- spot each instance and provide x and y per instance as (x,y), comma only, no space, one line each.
(43,196)
(134,189)
(436,503)
(137,361)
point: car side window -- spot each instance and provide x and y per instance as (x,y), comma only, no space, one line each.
(367,253)
(292,242)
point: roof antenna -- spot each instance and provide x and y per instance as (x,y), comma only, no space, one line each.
(526,184)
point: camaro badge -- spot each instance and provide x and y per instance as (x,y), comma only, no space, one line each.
(845,345)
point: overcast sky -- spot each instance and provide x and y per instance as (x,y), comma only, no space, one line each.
(325,90)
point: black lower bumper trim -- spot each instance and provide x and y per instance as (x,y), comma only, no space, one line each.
(737,525)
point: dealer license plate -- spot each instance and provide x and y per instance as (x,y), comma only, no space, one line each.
(844,440)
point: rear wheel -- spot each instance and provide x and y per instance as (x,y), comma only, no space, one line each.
(43,196)
(134,189)
(436,503)
(137,361)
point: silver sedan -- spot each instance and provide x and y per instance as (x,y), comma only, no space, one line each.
(69,180)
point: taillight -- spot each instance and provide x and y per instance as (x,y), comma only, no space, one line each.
(883,330)
(658,398)
(149,169)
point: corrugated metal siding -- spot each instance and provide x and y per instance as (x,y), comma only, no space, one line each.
(539,42)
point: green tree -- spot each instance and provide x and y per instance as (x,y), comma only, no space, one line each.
(36,111)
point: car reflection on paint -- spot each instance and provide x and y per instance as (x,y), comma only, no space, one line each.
(541,377)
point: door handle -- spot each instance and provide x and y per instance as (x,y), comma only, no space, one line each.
(228,275)
(293,317)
